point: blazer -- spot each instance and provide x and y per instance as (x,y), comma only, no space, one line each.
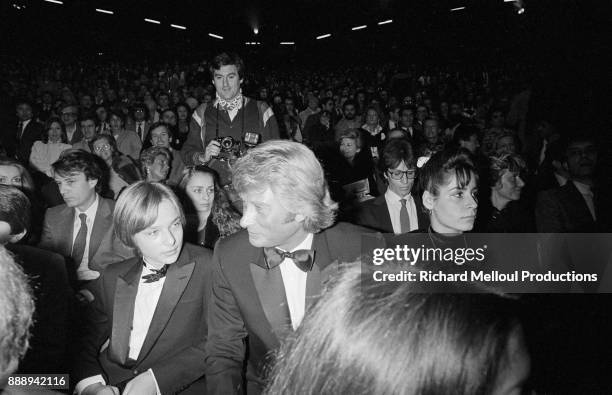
(21,148)
(145,132)
(374,214)
(129,144)
(77,135)
(58,226)
(174,345)
(249,300)
(564,210)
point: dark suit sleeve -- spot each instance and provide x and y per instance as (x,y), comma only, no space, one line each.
(46,239)
(111,250)
(225,351)
(98,326)
(548,213)
(270,130)
(193,144)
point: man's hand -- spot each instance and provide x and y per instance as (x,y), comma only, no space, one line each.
(143,384)
(100,389)
(212,150)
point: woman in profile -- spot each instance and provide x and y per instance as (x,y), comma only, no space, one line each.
(366,337)
(210,214)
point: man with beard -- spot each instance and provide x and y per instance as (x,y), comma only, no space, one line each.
(350,120)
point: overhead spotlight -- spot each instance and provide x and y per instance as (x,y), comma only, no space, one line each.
(178,27)
(521,11)
(215,36)
(287,43)
(457,9)
(323,36)
(152,21)
(55,1)
(100,10)
(256,31)
(359,27)
(385,22)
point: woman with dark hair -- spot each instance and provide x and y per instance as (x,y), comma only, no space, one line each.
(123,170)
(500,209)
(210,215)
(183,115)
(155,164)
(128,142)
(47,151)
(369,337)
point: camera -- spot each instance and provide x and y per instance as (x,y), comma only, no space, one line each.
(228,144)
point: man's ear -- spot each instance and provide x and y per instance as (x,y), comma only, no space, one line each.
(92,182)
(14,239)
(428,200)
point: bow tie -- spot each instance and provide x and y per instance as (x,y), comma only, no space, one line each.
(303,259)
(156,275)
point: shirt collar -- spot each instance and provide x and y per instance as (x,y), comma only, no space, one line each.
(304,245)
(91,211)
(394,197)
(583,188)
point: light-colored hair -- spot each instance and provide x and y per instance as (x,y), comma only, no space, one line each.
(511,162)
(137,208)
(352,134)
(368,337)
(27,183)
(16,309)
(291,171)
(147,157)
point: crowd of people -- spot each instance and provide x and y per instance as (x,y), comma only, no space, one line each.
(125,191)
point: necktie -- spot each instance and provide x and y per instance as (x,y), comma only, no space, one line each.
(19,130)
(404,219)
(156,275)
(78,248)
(303,258)
(140,131)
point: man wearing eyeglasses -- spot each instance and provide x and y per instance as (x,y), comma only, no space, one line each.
(70,115)
(398,210)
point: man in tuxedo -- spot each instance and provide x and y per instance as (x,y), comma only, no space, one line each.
(70,116)
(578,206)
(76,228)
(398,210)
(266,277)
(147,325)
(49,280)
(26,133)
(140,125)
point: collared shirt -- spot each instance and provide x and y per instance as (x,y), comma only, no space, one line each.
(294,280)
(394,206)
(24,124)
(145,304)
(70,133)
(141,133)
(83,271)
(587,195)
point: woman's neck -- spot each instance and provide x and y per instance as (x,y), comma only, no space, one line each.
(203,218)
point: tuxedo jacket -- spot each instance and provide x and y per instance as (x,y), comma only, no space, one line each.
(174,345)
(564,210)
(374,214)
(249,300)
(22,147)
(77,135)
(58,226)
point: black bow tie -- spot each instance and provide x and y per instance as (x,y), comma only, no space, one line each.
(303,258)
(156,275)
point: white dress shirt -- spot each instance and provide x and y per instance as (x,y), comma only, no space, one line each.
(24,124)
(394,206)
(587,195)
(294,280)
(83,271)
(145,304)
(70,133)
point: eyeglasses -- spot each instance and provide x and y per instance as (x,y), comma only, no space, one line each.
(398,174)
(104,147)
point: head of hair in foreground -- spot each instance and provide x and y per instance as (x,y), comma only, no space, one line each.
(15,209)
(294,174)
(368,337)
(224,215)
(16,309)
(449,182)
(137,209)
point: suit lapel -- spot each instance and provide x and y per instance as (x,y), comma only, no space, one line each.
(177,279)
(381,212)
(102,222)
(315,277)
(123,313)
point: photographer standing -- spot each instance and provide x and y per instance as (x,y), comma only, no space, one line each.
(247,121)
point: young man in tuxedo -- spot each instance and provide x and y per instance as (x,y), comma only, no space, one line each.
(147,324)
(267,276)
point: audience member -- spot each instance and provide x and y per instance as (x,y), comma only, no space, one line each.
(88,128)
(70,115)
(48,150)
(128,142)
(28,131)
(161,135)
(350,119)
(155,164)
(123,171)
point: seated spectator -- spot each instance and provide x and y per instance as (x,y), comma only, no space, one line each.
(16,311)
(88,128)
(433,343)
(374,134)
(49,280)
(350,119)
(432,140)
(500,210)
(70,116)
(210,214)
(399,210)
(496,130)
(123,171)
(321,136)
(183,114)
(155,164)
(161,135)
(575,207)
(128,142)
(467,137)
(103,127)
(141,124)
(47,151)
